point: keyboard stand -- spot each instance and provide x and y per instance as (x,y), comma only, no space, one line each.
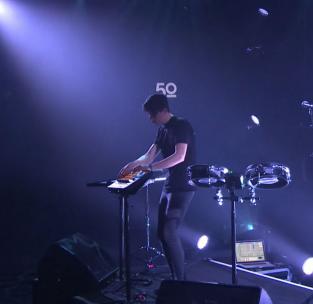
(123,192)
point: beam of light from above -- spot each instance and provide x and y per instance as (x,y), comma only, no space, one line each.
(54,50)
(308,266)
(70,65)
(2,8)
(6,12)
(202,242)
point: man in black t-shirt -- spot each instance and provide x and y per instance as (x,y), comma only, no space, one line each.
(176,141)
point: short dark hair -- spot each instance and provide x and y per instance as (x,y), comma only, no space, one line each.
(156,103)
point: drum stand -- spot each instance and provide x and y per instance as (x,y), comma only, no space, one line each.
(233,182)
(233,199)
(151,252)
(218,177)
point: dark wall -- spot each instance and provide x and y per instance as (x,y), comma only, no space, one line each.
(71,96)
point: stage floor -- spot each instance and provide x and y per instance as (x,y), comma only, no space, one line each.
(145,283)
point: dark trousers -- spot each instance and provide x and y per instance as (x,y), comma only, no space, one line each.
(172,209)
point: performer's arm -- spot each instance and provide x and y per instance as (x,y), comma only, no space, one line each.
(177,157)
(149,156)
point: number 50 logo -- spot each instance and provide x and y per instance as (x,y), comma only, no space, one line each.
(169,89)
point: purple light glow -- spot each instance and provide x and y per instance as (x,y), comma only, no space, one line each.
(292,253)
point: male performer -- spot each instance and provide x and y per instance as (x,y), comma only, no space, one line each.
(176,141)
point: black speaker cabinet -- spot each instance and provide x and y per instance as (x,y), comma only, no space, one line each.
(72,266)
(184,292)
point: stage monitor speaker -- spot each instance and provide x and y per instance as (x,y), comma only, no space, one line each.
(184,292)
(72,266)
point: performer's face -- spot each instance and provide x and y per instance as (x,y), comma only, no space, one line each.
(156,118)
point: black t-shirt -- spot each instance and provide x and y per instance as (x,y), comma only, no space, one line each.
(177,130)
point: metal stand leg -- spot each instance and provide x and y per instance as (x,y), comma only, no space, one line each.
(311,117)
(232,182)
(147,218)
(122,242)
(233,237)
(124,246)
(151,252)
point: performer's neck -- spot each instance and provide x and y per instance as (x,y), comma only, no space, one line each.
(167,117)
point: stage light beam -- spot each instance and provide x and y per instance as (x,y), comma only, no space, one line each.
(3,8)
(8,18)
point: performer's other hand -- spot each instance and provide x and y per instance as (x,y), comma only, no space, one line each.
(141,168)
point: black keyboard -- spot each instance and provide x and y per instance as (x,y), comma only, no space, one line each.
(128,184)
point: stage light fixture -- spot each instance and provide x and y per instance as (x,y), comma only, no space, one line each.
(308,266)
(202,242)
(263,12)
(255,120)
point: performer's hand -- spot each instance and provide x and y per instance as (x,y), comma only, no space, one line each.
(127,169)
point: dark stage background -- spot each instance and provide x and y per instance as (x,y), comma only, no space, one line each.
(74,75)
